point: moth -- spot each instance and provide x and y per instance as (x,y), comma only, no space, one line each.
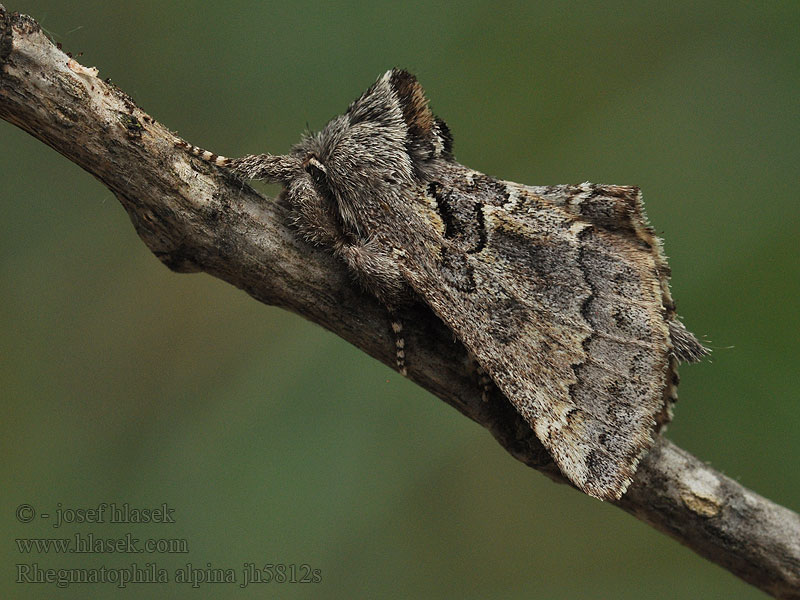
(560,293)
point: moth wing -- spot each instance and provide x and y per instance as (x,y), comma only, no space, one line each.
(565,312)
(619,210)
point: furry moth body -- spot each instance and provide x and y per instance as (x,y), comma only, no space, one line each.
(561,293)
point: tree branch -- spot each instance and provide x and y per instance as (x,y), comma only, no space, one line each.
(195,217)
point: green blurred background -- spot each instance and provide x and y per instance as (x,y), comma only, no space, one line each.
(275,441)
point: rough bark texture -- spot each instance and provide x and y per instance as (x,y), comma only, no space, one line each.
(194,217)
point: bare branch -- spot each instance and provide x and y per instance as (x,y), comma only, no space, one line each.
(195,217)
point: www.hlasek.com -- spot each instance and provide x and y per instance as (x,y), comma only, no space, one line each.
(249,574)
(89,543)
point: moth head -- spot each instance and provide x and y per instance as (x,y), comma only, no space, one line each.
(388,140)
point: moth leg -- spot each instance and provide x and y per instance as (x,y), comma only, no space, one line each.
(376,270)
(314,220)
(267,167)
(399,341)
(485,382)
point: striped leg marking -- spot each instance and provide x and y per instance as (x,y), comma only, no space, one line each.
(400,344)
(220,161)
